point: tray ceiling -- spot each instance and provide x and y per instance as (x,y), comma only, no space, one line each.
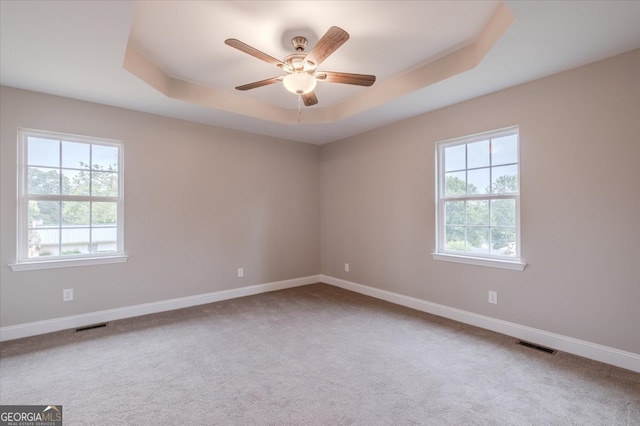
(169,57)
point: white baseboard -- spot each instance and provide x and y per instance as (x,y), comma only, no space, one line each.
(40,327)
(608,355)
(578,347)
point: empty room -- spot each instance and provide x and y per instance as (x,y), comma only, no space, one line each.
(319,212)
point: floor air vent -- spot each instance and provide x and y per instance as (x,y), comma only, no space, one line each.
(91,327)
(536,347)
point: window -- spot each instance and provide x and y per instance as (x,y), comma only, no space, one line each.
(70,200)
(478,216)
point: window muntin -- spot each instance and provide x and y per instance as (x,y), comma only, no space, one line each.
(70,197)
(479,196)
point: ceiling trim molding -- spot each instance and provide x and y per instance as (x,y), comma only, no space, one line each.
(456,62)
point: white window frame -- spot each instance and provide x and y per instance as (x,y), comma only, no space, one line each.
(23,261)
(491,260)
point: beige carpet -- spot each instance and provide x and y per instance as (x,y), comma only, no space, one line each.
(313,355)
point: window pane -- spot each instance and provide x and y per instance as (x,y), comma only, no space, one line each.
(74,241)
(43,152)
(43,181)
(75,182)
(455,184)
(454,212)
(44,242)
(104,240)
(76,155)
(478,194)
(503,212)
(504,150)
(454,238)
(478,213)
(75,213)
(503,241)
(504,179)
(104,157)
(104,184)
(59,177)
(478,154)
(454,158)
(478,239)
(104,213)
(478,181)
(43,213)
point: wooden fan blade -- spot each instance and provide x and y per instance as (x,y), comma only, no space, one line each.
(329,43)
(260,83)
(346,78)
(309,99)
(243,47)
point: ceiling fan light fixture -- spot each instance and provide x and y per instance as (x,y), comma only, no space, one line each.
(299,83)
(301,68)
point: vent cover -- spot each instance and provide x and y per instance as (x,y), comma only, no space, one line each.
(91,327)
(536,347)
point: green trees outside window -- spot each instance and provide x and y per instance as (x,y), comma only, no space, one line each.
(478,195)
(70,195)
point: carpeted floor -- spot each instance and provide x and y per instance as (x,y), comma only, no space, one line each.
(312,355)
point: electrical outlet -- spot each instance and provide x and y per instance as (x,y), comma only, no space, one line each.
(346,267)
(67,295)
(240,272)
(493,297)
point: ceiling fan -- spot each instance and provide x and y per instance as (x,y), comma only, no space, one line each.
(301,68)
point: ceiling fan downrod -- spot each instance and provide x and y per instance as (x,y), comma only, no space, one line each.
(299,43)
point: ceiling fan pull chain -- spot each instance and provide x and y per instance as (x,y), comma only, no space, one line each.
(299,107)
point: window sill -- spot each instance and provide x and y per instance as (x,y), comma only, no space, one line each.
(514,265)
(67,263)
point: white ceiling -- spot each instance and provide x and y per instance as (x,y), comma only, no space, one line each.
(77,49)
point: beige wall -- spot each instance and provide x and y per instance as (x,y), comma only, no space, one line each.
(199,203)
(203,201)
(580,202)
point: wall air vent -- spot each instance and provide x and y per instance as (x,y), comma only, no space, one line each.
(91,327)
(536,347)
